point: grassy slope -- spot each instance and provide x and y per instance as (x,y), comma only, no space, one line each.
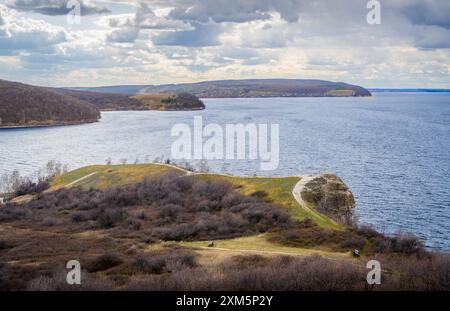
(278,189)
(154,101)
(104,176)
(259,243)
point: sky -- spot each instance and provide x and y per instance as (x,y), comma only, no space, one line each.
(157,42)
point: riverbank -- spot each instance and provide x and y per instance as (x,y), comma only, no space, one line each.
(47,124)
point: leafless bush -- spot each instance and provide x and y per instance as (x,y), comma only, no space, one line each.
(353,243)
(108,218)
(5,244)
(49,221)
(104,262)
(29,187)
(57,282)
(367,231)
(36,183)
(164,261)
(284,273)
(175,207)
(149,264)
(13,213)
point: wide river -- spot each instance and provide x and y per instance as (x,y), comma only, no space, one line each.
(393,150)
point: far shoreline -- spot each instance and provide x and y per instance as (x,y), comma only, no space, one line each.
(26,126)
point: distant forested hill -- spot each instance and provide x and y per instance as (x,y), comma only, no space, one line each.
(106,101)
(26,105)
(154,101)
(246,88)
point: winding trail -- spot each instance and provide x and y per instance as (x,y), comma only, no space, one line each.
(299,187)
(81,179)
(297,193)
(307,252)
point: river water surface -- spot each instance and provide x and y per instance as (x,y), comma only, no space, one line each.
(393,150)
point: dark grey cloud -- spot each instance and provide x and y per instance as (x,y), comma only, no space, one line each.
(427,12)
(433,38)
(201,35)
(236,11)
(56,7)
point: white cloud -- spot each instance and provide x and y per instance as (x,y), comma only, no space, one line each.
(19,33)
(124,35)
(189,40)
(56,7)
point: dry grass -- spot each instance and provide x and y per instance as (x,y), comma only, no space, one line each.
(110,175)
(260,244)
(154,101)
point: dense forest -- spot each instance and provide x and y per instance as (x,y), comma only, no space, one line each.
(23,105)
(246,88)
(26,105)
(154,101)
(104,101)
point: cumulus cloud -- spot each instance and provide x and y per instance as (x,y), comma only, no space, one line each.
(56,7)
(124,35)
(236,11)
(201,35)
(18,33)
(128,27)
(179,40)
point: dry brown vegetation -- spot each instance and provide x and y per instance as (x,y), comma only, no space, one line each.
(168,207)
(23,105)
(170,101)
(118,236)
(175,268)
(106,101)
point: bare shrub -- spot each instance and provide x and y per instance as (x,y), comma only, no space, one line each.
(49,221)
(149,264)
(104,262)
(173,206)
(29,187)
(282,273)
(57,282)
(354,242)
(13,212)
(367,231)
(108,218)
(402,244)
(165,261)
(5,244)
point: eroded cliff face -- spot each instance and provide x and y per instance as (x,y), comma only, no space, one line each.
(331,196)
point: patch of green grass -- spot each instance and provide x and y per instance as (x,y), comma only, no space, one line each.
(261,243)
(279,191)
(104,176)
